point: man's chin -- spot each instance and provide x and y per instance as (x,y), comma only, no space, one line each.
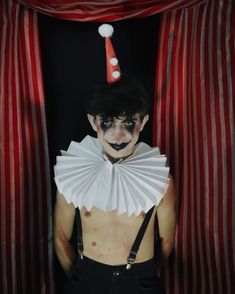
(118,154)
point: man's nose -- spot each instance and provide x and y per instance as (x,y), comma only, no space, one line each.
(118,134)
(118,137)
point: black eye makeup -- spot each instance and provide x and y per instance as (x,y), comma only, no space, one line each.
(106,124)
(130,125)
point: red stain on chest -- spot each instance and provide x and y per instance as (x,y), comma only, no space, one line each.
(88,213)
(143,214)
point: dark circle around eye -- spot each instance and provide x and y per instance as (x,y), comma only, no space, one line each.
(129,123)
(106,123)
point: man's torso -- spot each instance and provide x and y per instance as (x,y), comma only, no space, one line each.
(108,237)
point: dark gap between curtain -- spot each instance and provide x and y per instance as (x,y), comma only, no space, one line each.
(73,60)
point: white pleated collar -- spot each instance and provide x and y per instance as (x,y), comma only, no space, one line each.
(87,178)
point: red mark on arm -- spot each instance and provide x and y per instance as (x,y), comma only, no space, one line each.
(93,243)
(65,243)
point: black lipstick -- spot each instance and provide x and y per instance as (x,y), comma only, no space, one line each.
(118,147)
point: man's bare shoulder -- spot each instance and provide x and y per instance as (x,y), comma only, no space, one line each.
(60,200)
(169,198)
(63,209)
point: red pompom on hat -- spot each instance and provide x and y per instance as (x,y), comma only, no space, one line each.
(113,69)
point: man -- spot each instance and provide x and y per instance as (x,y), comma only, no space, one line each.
(111,213)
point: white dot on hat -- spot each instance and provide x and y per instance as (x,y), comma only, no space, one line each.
(105,30)
(113,61)
(116,74)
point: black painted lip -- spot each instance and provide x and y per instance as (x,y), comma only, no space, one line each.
(118,147)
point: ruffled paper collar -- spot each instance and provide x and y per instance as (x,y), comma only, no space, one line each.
(88,179)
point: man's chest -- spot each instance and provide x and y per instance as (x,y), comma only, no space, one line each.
(109,225)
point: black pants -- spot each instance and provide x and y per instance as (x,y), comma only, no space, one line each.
(92,277)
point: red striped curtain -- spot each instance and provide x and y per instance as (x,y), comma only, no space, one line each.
(25,206)
(103,10)
(193,124)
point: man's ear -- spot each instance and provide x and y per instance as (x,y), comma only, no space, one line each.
(144,121)
(91,119)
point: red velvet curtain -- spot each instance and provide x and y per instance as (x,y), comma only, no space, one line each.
(26,264)
(104,10)
(193,124)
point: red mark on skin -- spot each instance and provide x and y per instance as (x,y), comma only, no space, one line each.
(118,137)
(93,243)
(137,130)
(95,229)
(65,243)
(87,213)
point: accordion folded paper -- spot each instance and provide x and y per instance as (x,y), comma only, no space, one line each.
(86,178)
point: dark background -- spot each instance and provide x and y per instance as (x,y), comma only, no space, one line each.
(73,60)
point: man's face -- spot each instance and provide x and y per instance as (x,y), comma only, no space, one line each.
(118,136)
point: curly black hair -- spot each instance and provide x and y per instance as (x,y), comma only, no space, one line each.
(123,98)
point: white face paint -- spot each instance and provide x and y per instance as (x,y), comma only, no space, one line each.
(118,136)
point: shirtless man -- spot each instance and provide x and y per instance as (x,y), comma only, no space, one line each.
(117,113)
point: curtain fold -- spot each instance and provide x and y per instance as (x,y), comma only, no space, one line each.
(193,124)
(25,222)
(103,10)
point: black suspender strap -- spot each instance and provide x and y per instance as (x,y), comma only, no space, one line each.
(79,233)
(135,247)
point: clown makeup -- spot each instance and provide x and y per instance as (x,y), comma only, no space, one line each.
(128,122)
(118,135)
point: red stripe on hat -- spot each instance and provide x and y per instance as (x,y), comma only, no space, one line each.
(110,53)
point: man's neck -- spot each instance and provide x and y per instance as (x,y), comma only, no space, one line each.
(114,160)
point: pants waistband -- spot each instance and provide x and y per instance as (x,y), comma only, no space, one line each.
(110,272)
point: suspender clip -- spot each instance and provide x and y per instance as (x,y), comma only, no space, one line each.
(131,259)
(80,254)
(80,246)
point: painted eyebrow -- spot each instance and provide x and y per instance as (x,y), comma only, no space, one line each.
(130,119)
(112,119)
(106,118)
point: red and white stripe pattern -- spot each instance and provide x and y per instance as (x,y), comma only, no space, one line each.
(104,10)
(25,221)
(194,125)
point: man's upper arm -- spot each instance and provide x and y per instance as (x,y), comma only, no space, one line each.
(166,213)
(64,215)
